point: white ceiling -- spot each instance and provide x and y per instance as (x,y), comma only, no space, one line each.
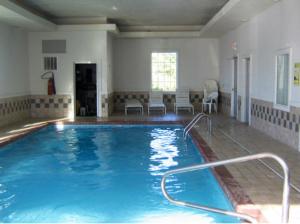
(134,18)
(233,14)
(128,12)
(17,16)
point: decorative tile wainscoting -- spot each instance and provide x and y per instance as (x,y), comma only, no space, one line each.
(54,106)
(279,124)
(119,99)
(107,106)
(225,103)
(13,109)
(239,115)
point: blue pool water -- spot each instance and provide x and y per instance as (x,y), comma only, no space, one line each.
(104,174)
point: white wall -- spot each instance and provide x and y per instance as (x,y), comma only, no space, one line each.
(276,28)
(13,62)
(110,62)
(197,62)
(82,47)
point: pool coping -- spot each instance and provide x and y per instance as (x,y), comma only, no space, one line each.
(9,139)
(240,200)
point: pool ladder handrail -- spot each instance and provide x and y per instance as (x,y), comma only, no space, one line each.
(192,122)
(285,194)
(195,120)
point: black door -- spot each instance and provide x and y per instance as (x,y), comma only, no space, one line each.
(86,89)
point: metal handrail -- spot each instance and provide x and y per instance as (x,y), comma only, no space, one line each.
(293,186)
(192,121)
(197,118)
(285,194)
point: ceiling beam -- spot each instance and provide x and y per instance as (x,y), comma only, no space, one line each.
(80,20)
(89,27)
(177,34)
(159,28)
(226,8)
(18,16)
(233,14)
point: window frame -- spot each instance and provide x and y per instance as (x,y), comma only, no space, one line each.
(177,60)
(280,52)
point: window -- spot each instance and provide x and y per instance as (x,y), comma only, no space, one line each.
(164,71)
(282,79)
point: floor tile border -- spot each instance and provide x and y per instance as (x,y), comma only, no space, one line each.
(241,201)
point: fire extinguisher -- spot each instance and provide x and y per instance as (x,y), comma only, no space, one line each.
(51,87)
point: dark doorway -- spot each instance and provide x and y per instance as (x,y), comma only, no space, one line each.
(235,94)
(247,95)
(86,89)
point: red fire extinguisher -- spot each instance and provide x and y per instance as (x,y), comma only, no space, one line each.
(51,86)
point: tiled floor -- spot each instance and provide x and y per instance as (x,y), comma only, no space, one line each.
(229,139)
(23,127)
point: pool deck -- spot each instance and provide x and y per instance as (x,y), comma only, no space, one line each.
(229,139)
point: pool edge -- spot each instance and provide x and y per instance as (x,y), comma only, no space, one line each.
(240,200)
(9,139)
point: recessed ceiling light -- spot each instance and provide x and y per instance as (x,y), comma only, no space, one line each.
(115,8)
(244,20)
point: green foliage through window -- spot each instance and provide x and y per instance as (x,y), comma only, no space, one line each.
(164,71)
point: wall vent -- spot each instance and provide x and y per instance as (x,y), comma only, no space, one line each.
(50,63)
(53,46)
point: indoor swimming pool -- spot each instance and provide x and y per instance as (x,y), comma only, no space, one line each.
(107,174)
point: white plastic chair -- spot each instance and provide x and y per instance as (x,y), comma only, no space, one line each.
(210,101)
(211,95)
(156,101)
(183,100)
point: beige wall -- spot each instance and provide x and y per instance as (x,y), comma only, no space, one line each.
(197,62)
(14,79)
